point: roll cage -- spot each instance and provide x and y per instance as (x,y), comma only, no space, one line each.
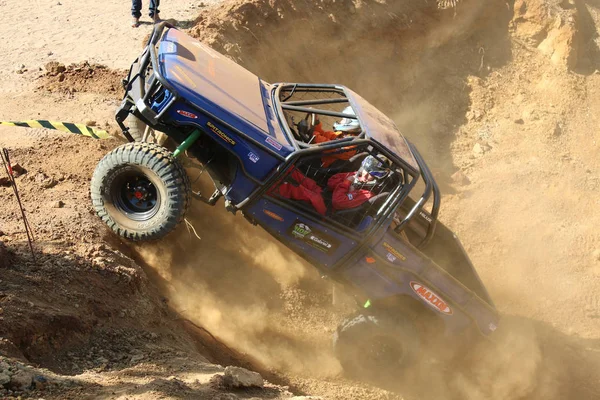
(331,96)
(282,97)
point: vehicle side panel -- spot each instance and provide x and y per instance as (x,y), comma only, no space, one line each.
(319,244)
(394,268)
(379,282)
(445,249)
(438,280)
(255,161)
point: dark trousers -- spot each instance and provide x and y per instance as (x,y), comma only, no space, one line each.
(136,8)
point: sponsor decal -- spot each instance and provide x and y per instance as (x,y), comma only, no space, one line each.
(187,114)
(391,257)
(253,157)
(220,133)
(301,230)
(313,237)
(431,298)
(350,197)
(273,215)
(425,217)
(169,47)
(274,143)
(393,251)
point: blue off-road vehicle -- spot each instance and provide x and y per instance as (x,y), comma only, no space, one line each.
(316,166)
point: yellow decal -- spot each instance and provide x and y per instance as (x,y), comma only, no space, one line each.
(220,133)
(183,75)
(393,251)
(211,68)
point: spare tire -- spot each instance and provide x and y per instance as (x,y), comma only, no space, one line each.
(140,191)
(137,128)
(376,348)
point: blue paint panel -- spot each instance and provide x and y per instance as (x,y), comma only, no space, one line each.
(413,261)
(342,244)
(219,86)
(258,163)
(372,282)
(455,322)
(376,284)
(451,287)
(240,188)
(448,288)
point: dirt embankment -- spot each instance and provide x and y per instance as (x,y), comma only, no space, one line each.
(83,317)
(82,77)
(502,101)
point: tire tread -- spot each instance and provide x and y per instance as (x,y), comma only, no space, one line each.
(169,170)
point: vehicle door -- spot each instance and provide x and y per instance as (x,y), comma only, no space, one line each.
(297,209)
(310,208)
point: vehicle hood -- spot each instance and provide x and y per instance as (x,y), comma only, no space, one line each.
(215,83)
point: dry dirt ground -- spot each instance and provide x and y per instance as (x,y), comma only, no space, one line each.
(502,98)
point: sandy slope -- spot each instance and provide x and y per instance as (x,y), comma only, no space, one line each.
(37,31)
(528,218)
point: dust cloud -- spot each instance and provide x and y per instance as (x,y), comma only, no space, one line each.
(248,291)
(424,67)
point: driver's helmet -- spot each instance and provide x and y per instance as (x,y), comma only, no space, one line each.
(373,170)
(347,125)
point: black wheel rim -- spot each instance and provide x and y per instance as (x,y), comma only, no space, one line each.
(136,196)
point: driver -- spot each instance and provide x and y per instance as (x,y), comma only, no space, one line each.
(352,189)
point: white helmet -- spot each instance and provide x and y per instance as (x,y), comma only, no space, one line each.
(348,125)
(378,167)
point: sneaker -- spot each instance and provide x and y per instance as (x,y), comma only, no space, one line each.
(135,23)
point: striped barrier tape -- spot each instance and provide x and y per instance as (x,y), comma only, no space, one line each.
(78,129)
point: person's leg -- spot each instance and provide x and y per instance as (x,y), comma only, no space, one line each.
(136,12)
(136,7)
(154,11)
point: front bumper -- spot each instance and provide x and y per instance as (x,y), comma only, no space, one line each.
(143,84)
